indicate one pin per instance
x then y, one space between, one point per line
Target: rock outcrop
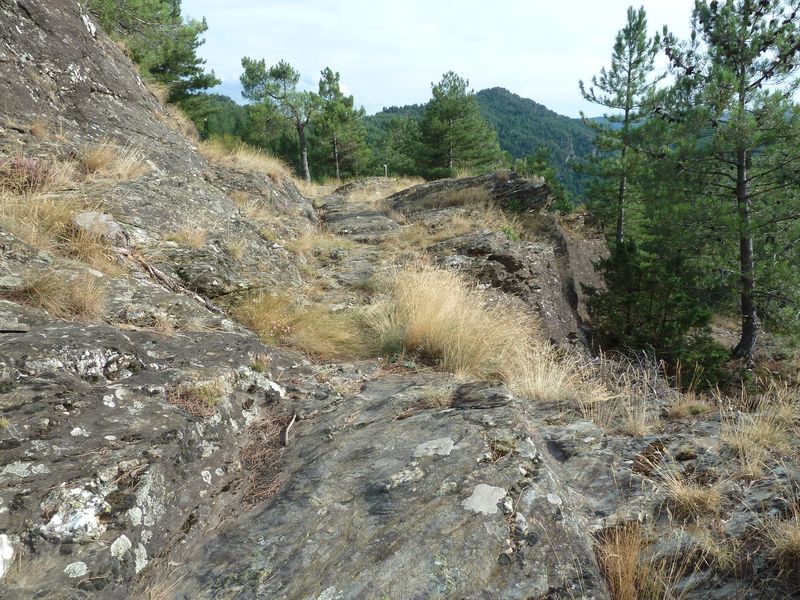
159 449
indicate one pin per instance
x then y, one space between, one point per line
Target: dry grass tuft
189 237
255 210
442 317
95 252
82 297
24 176
39 128
236 248
619 553
757 438
241 156
376 190
690 405
106 160
782 537
314 242
633 574
312 329
200 399
631 403
688 500
39 220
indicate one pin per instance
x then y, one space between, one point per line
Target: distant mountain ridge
522 126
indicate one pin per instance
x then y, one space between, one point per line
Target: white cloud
390 52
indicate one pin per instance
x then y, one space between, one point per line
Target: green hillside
522 126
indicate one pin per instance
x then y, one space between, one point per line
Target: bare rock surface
161 450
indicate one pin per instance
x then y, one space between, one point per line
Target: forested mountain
522 126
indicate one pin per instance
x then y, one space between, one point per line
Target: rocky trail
155 443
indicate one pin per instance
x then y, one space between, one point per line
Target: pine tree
340 128
733 97
277 86
160 41
623 88
454 135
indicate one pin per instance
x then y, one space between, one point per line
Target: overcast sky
388 53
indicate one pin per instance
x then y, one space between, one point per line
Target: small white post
386 170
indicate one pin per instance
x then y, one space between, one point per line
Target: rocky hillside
213 385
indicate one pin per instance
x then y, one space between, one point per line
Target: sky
389 53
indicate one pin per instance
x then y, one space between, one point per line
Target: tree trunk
301 136
747 342
623 182
336 155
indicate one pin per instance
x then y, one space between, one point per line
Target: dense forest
694 176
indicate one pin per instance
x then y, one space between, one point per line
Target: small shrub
22 175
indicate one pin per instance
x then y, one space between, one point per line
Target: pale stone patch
439 446
484 499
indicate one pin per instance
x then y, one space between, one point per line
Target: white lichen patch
439 446
135 516
141 558
23 469
79 432
405 476
75 513
120 546
6 554
484 499
76 569
206 475
109 401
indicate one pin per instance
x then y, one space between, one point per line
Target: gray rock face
148 455
451 503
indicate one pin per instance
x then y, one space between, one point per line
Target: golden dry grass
759 437
445 319
313 329
39 220
690 405
81 297
627 401
782 537
46 222
619 553
189 237
688 500
242 156
23 176
376 190
633 574
316 241
39 128
255 210
93 251
236 248
106 160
